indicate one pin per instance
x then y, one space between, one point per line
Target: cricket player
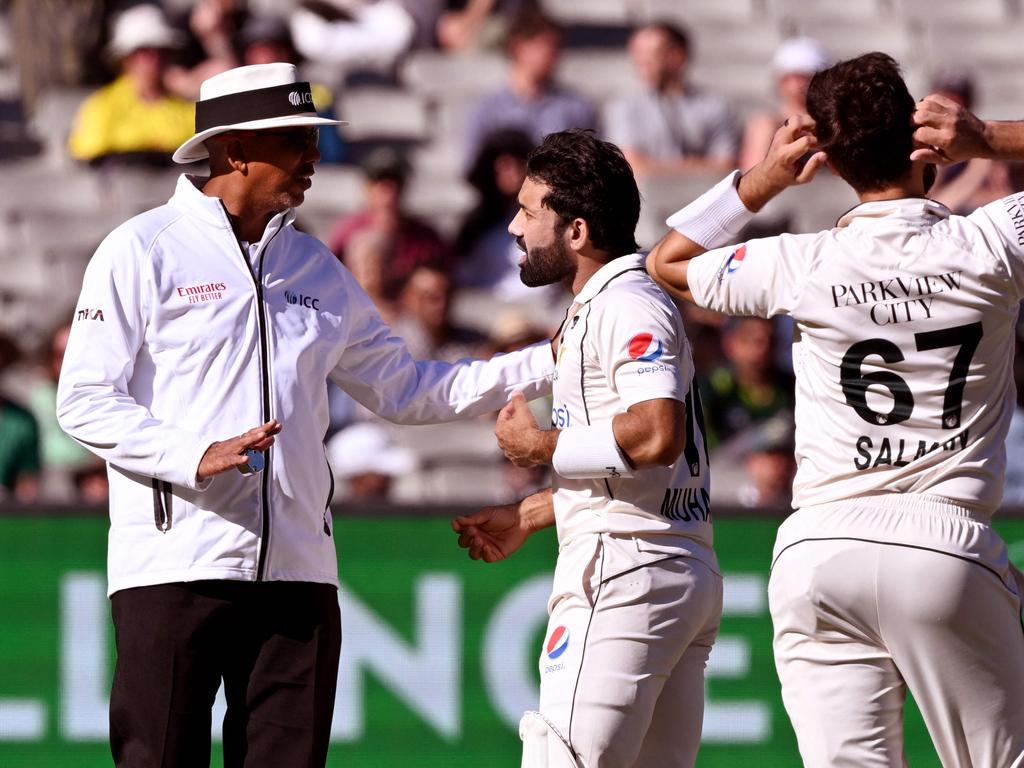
637 592
888 576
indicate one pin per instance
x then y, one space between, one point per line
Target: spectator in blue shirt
530 101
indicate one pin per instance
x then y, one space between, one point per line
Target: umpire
203 339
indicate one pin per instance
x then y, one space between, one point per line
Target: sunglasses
297 139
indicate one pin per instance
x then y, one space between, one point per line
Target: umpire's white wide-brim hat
252 98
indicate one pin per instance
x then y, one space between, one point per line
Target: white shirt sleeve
640 347
759 277
377 370
1002 225
93 402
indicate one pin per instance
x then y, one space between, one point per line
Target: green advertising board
439 654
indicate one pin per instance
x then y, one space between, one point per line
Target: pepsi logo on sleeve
733 262
646 347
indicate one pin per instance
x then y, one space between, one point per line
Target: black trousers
274 644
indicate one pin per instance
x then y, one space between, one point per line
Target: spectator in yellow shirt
134 118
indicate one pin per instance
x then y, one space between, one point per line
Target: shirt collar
909 208
210 210
612 269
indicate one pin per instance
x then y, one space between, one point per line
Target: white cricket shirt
624 345
903 346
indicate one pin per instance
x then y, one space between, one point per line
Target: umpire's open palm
228 454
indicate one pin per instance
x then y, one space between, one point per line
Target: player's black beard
544 266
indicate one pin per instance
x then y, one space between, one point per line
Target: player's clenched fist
523 442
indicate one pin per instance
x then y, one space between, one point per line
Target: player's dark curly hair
863 111
591 180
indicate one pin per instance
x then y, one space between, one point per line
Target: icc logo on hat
257 97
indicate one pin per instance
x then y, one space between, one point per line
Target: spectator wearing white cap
134 118
794 63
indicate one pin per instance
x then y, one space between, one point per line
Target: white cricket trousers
629 632
874 596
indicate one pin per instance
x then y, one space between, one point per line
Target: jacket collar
210 210
907 208
612 269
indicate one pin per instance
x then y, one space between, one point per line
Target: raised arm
715 218
945 132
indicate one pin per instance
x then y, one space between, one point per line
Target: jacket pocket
162 509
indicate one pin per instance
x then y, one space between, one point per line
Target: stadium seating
53 212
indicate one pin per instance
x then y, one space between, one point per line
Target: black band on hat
259 104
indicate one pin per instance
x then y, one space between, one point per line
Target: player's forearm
1004 139
668 263
539 447
537 511
649 434
757 187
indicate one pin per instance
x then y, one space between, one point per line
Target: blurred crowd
145 62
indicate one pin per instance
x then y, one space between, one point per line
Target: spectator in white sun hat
134 119
204 337
794 63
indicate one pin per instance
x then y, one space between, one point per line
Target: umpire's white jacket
181 338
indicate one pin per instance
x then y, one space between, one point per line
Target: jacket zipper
265 372
162 510
330 493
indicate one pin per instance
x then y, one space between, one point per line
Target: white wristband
715 218
583 453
